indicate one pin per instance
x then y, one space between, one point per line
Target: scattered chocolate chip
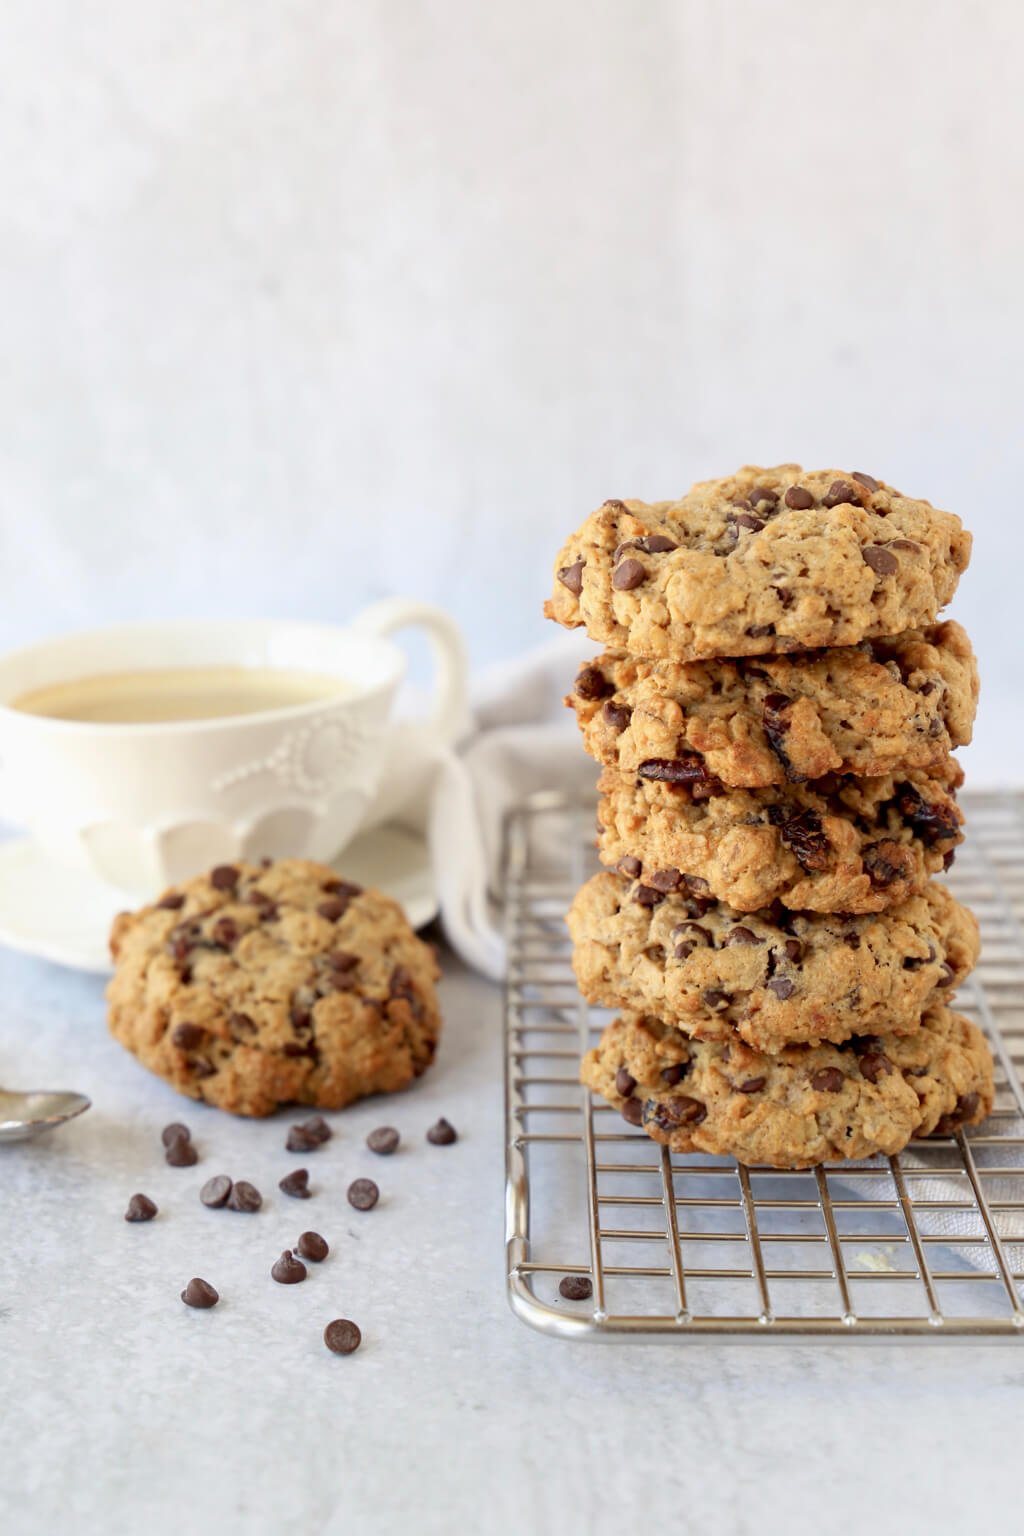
693 932
225 932
867 481
312 1246
794 950
199 1293
244 1197
224 877
910 545
629 866
384 1140
798 498
782 987
288 1270
741 935
885 862
627 575
880 560
763 493
296 1184
665 880
675 1073
965 1109
363 1194
172 901
442 1134
874 1064
241 1024
187 1036
839 491
575 1288
591 683
669 1114
647 896
215 1191
633 1112
657 544
571 576
752 1085
827 1080
140 1208
618 716
333 908
758 631
342 960
342 1337
713 998
175 1132
180 1153
300 1140
947 975
625 1083
748 521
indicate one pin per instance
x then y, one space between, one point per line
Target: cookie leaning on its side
251 987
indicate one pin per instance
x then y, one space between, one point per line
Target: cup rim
109 730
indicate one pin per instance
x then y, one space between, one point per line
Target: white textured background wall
306 302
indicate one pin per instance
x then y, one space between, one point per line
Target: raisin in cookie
773 978
876 708
764 560
806 1105
254 986
840 844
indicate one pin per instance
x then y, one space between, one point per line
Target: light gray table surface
124 1411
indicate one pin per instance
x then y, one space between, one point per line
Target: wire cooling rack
926 1244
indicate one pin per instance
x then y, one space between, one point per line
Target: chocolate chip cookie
880 707
772 978
839 844
766 560
254 986
802 1106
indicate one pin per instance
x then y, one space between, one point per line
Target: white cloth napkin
521 739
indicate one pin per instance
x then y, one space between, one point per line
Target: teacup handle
449 711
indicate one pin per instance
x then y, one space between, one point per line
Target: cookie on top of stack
774 717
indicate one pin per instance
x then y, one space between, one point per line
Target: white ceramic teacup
146 805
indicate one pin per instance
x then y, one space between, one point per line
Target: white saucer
64 915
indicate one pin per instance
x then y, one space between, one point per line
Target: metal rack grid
926 1244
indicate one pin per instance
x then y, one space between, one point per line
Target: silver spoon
23 1115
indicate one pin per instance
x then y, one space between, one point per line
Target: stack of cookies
775 718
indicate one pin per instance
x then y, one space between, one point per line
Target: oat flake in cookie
275 985
802 1106
765 560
